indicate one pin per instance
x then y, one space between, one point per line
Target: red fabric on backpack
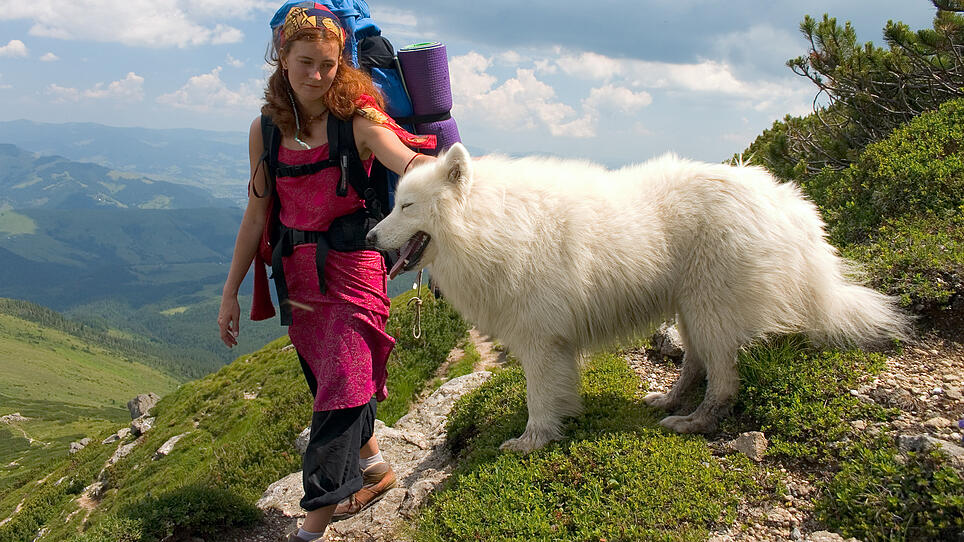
261 306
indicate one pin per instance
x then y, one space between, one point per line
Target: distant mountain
61 259
214 161
29 180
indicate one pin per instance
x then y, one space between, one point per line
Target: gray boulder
142 404
667 342
141 425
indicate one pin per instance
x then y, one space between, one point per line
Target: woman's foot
378 480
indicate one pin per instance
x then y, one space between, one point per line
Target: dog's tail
844 312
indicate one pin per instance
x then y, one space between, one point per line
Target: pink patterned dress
342 338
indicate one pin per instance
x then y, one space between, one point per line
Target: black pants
330 467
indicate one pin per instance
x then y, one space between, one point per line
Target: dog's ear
457 164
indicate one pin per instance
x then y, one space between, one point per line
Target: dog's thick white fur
557 257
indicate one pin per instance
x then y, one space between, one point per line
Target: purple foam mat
447 132
426 70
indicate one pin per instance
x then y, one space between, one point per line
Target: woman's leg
368 449
316 521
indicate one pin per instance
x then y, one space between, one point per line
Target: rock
827 536
166 448
954 393
142 404
779 517
752 444
859 425
795 534
141 425
284 495
667 341
11 418
925 443
122 434
78 446
301 443
937 423
122 452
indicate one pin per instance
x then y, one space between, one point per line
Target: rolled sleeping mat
446 132
425 69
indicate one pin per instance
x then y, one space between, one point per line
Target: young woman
337 331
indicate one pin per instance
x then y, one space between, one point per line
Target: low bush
799 396
617 476
881 495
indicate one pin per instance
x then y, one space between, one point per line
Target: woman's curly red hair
348 85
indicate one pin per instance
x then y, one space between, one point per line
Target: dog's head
425 197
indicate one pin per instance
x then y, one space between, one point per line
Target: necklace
294 108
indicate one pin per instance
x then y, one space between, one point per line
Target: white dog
556 258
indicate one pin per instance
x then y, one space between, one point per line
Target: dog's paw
689 424
527 442
661 401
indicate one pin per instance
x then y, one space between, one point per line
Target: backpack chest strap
300 170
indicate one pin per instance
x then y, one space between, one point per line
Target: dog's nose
372 237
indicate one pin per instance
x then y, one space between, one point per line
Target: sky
616 82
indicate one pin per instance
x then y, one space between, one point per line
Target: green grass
615 477
12 223
234 446
414 361
465 365
799 396
880 495
68 389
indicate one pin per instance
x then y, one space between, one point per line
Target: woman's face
311 68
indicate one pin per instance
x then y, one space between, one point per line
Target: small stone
752 444
937 391
795 534
937 423
858 425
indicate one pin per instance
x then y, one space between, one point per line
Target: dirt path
274 525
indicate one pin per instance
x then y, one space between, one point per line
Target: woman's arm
249 235
372 138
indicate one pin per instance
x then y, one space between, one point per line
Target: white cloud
392 16
14 48
144 23
521 102
49 57
704 77
233 62
208 93
62 94
130 88
615 98
4 86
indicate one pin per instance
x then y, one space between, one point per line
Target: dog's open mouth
410 254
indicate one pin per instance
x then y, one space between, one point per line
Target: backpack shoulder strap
341 145
271 141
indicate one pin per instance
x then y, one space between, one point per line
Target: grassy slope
240 424
68 388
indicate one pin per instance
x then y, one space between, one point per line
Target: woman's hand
229 316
